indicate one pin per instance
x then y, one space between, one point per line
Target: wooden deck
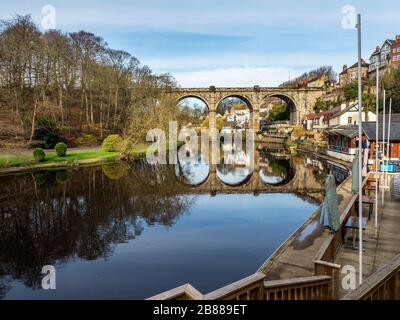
295 257
378 251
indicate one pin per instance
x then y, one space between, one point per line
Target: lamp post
376 152
360 162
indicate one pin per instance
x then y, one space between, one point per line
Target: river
129 231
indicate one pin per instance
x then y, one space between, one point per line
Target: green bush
61 149
112 143
39 155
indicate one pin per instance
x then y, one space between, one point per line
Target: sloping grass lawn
26 159
79 155
7 161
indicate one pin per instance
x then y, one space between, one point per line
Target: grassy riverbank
24 160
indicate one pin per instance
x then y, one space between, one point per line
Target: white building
381 57
348 115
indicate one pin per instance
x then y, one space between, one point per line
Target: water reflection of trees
278 171
54 217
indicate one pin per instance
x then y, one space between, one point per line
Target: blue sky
225 43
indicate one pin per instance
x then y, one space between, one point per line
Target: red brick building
395 52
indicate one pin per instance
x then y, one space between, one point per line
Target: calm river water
122 231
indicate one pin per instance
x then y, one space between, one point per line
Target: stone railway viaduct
300 101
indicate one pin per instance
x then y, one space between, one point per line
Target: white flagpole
360 153
388 141
376 152
383 146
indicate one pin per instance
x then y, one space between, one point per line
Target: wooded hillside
67 84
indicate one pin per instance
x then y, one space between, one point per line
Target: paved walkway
295 257
377 251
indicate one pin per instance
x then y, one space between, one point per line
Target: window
350 120
394 58
398 58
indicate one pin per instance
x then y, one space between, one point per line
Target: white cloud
234 77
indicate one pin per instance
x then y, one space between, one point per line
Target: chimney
398 38
344 67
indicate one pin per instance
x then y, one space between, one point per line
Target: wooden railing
255 288
325 257
185 292
307 288
250 288
384 284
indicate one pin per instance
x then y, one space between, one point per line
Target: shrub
61 149
39 155
112 143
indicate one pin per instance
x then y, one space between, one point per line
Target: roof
376 52
395 117
363 65
314 116
369 129
349 131
390 41
329 112
340 112
332 111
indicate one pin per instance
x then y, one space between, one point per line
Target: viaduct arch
300 101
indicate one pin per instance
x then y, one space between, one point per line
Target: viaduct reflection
273 171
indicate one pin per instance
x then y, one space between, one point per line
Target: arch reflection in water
236 166
192 172
276 170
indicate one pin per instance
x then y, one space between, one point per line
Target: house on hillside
384 57
345 114
350 74
395 56
319 121
239 114
348 114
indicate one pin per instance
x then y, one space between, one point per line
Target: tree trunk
33 121
61 104
116 107
108 109
101 120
